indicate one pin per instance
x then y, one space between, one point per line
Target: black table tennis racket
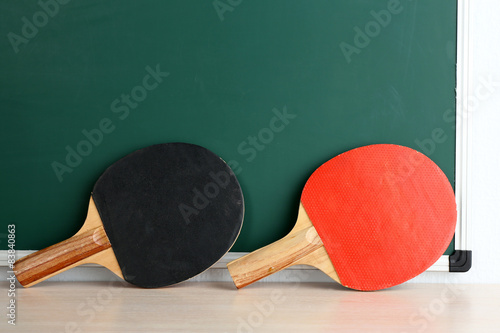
158 216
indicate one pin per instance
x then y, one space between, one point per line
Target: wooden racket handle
279 255
60 257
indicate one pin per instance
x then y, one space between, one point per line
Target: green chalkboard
275 88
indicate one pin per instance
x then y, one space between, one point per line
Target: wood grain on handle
302 246
57 258
272 258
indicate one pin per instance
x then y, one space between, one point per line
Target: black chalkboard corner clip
460 261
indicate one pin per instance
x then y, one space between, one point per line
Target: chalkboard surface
275 88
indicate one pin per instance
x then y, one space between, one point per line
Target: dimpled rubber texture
385 214
170 212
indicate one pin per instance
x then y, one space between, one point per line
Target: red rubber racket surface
385 214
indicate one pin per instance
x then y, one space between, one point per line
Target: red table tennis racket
158 216
370 218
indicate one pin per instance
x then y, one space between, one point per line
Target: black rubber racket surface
170 212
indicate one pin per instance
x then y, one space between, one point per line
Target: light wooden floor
263 307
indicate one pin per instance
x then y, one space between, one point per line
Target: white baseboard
218 272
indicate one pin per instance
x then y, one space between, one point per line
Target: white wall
485 143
